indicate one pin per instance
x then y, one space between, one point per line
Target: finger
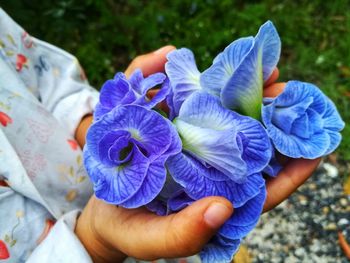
274 89
274 76
294 174
150 63
178 235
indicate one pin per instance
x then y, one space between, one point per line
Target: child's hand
111 233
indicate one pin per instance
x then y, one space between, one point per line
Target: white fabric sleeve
61 245
51 74
28 232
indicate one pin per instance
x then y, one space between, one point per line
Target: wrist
80 132
99 250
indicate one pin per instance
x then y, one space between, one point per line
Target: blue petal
151 185
243 91
143 125
107 142
306 136
135 79
219 250
257 149
296 147
332 118
274 167
216 148
183 75
244 218
296 91
196 179
160 96
113 91
284 117
157 206
152 81
216 76
208 132
179 201
335 139
203 110
270 42
116 184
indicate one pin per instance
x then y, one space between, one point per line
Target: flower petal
244 218
204 110
274 167
151 185
157 206
208 132
195 178
179 201
183 75
142 124
216 76
308 136
332 118
270 42
243 91
135 79
104 146
216 148
116 184
257 149
297 147
219 250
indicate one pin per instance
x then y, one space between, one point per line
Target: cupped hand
110 233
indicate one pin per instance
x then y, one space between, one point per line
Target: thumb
150 63
178 235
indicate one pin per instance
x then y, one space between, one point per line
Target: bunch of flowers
218 139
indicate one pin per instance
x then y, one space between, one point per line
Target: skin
110 233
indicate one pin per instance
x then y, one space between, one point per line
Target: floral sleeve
54 76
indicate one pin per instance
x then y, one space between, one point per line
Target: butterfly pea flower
302 122
236 146
236 75
125 155
199 181
122 91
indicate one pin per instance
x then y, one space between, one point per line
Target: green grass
106 35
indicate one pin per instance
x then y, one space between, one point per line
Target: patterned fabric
43 184
43 96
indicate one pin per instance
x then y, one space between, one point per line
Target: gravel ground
304 227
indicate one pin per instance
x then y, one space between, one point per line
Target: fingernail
216 214
162 49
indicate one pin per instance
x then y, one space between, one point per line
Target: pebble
343 222
304 227
343 202
331 170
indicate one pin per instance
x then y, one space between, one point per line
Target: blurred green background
106 35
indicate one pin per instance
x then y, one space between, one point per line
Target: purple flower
235 145
125 154
302 122
223 155
123 91
236 75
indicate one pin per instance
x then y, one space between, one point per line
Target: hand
109 233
